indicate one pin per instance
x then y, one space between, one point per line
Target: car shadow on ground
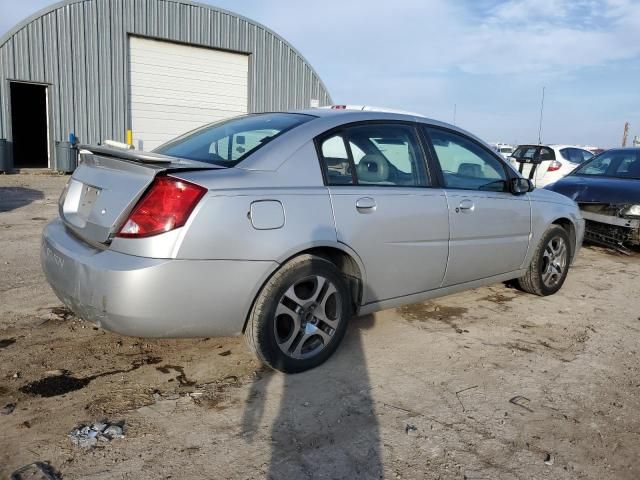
12 198
326 424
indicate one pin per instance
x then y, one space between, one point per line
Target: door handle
366 205
466 205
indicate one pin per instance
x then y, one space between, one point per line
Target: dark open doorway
29 125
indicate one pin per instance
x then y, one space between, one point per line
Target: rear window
229 142
525 152
534 152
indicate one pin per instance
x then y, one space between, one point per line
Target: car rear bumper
149 297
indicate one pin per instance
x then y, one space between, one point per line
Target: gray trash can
5 160
66 157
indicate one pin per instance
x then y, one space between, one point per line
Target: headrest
373 168
470 170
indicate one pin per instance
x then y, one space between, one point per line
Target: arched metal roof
79 49
43 11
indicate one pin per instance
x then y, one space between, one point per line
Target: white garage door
176 88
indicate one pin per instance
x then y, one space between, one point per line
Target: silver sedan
282 226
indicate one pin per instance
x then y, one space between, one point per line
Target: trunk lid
108 183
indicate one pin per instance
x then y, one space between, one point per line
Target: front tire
300 316
550 264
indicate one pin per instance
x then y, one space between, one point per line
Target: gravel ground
490 383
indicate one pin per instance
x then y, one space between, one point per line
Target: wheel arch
570 228
345 259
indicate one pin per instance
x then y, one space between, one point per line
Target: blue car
607 189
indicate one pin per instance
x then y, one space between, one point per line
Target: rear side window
586 155
229 142
576 155
336 161
375 155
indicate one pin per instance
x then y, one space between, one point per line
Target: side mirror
520 186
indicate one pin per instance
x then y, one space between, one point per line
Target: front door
489 226
385 209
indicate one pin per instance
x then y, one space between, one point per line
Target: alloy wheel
554 261
307 317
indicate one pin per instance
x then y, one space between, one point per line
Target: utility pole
625 134
455 106
541 110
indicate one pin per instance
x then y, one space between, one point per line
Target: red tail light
555 165
165 206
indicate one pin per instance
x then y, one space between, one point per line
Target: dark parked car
607 189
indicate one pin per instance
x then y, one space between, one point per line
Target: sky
486 59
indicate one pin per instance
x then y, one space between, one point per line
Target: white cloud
490 58
516 36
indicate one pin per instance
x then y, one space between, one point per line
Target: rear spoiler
132 155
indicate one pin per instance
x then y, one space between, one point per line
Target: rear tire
550 264
300 316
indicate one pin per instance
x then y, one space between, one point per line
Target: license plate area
87 200
79 202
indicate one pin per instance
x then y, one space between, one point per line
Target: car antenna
541 110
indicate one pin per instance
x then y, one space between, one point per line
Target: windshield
229 142
614 163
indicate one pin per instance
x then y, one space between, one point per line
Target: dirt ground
490 383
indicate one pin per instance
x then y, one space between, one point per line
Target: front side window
374 154
229 142
465 164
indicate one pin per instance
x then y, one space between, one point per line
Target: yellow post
129 137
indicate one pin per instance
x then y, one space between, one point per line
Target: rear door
386 208
489 226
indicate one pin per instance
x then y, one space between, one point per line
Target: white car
553 161
503 149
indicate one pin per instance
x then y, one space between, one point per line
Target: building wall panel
80 49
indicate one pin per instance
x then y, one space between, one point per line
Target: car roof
562 145
550 145
349 115
330 112
623 149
